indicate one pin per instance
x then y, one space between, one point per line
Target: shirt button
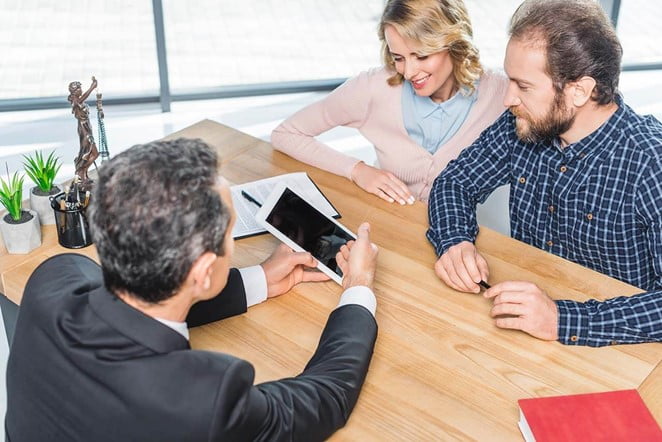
613 343
550 243
589 216
563 168
574 338
522 180
551 208
581 155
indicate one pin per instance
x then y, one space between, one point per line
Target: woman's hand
381 183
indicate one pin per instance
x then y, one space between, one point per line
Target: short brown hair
579 40
438 25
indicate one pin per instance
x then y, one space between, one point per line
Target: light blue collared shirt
432 124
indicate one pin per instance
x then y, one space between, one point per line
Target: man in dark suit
102 353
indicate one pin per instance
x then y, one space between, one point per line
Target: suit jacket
84 365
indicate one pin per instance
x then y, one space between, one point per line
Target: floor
24 132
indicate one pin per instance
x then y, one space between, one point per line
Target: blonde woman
430 100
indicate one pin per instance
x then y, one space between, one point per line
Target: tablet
301 226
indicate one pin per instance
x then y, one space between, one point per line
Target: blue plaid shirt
597 202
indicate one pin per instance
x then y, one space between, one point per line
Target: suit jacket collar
134 324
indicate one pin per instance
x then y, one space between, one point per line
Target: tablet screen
307 227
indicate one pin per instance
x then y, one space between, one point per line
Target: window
47 45
639 30
217 43
213 43
490 20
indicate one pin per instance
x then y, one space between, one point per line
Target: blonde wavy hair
438 25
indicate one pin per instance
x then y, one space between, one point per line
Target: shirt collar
135 324
425 106
179 327
587 144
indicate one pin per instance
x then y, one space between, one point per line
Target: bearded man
585 175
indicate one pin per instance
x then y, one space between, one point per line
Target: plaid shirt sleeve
648 206
625 319
466 181
622 320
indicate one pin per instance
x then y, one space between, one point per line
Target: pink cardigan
368 103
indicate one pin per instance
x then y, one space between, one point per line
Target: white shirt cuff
360 295
255 284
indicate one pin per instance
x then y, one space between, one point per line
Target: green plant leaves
41 172
11 194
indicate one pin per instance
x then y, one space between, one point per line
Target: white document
259 190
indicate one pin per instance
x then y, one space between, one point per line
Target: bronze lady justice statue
88 149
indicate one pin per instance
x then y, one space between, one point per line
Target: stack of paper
259 190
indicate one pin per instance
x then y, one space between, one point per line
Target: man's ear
199 277
582 90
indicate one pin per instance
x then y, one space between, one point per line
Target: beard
555 122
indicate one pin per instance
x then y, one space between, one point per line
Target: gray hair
154 210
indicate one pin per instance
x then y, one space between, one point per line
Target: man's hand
358 260
383 184
286 268
529 309
462 267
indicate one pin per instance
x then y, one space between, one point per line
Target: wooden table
441 369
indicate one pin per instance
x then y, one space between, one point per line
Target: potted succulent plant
42 173
20 228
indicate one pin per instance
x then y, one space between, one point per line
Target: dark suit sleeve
230 302
311 406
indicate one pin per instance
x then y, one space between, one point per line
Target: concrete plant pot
40 202
23 236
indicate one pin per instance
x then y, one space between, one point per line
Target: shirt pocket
601 220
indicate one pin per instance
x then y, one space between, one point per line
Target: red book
610 416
